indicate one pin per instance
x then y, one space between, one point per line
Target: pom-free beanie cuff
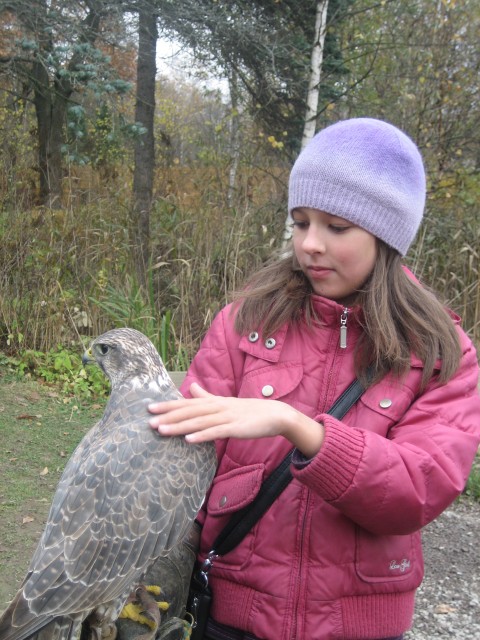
366 171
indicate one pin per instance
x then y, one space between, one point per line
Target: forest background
135 197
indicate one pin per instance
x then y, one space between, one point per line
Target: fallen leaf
27 416
44 471
444 608
63 454
27 519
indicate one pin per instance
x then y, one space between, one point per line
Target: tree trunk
50 113
51 98
145 145
313 88
315 72
234 138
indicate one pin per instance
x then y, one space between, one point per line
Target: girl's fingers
165 407
199 392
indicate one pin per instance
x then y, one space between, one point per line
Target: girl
338 554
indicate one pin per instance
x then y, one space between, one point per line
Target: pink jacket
338 555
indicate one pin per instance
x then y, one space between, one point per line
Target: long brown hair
399 317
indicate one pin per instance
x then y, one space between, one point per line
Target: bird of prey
127 496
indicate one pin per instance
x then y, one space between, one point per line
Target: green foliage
264 48
130 307
63 368
473 485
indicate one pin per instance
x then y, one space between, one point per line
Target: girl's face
336 256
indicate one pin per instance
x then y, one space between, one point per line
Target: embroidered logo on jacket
401 566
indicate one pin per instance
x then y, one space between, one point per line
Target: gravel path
448 602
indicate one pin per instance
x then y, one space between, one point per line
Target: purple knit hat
366 171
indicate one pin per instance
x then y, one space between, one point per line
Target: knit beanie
366 171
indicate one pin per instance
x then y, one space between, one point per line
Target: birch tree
313 93
315 72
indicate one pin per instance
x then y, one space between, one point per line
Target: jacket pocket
388 559
231 492
271 381
382 406
235 489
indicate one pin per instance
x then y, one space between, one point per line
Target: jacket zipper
298 583
294 628
343 328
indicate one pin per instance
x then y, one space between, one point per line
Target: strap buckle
204 570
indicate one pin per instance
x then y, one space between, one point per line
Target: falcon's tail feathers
19 623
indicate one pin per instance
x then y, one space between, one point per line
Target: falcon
127 496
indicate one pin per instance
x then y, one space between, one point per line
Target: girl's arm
399 483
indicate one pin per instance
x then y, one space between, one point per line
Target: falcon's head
124 354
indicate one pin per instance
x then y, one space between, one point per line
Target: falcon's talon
153 588
143 607
136 613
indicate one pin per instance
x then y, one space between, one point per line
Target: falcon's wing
127 496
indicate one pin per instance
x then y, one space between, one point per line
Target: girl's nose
314 241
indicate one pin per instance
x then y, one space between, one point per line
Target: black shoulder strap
243 520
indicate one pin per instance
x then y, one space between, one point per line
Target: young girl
338 554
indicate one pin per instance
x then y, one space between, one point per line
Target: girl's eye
338 228
300 224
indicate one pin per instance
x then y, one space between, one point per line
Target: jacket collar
268 348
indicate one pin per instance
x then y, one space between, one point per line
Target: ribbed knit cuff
331 472
362 614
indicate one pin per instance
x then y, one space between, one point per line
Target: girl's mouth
318 273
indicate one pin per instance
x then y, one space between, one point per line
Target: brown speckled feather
126 497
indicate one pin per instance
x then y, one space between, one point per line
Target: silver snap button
385 403
253 337
267 391
223 501
270 343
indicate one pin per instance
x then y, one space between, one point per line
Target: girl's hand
208 417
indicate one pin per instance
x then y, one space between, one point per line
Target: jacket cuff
332 471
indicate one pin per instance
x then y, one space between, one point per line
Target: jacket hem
365 617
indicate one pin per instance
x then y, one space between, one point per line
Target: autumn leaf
444 608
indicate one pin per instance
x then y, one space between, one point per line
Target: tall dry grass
446 253
68 274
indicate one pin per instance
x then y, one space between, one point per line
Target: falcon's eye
104 349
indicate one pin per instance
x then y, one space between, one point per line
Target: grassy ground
38 431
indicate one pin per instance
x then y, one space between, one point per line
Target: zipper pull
343 328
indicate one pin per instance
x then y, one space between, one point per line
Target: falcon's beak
87 357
